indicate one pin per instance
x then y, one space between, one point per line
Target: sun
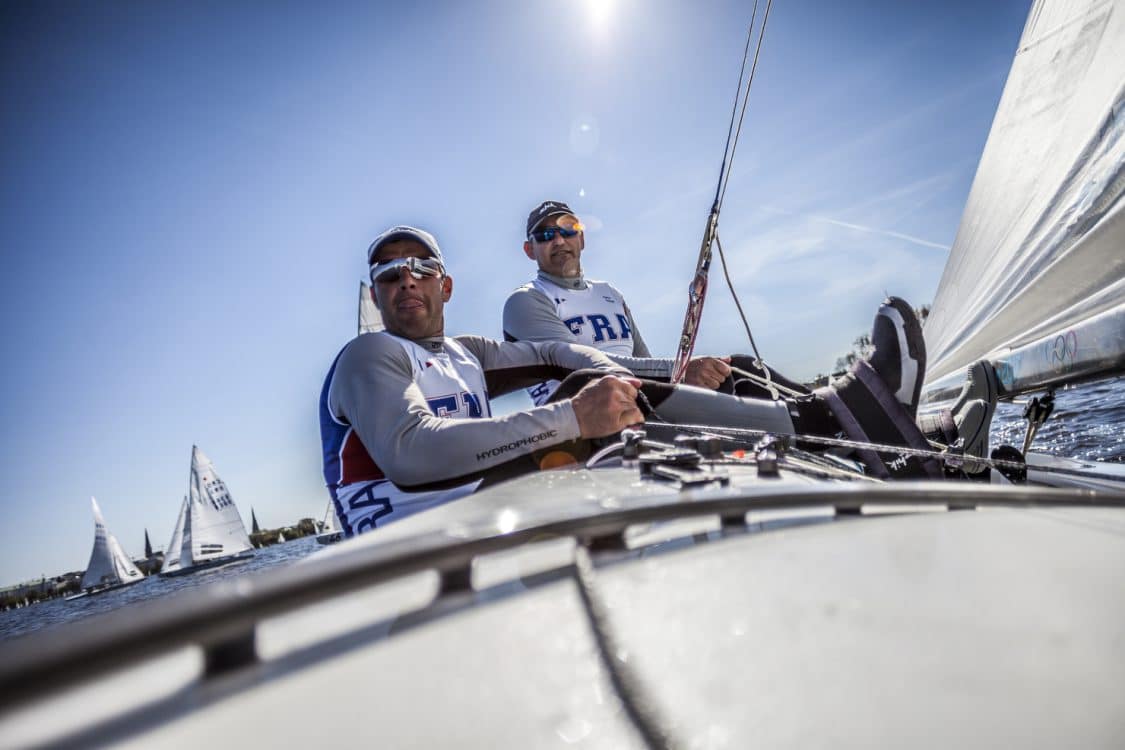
600 13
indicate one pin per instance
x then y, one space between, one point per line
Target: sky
189 189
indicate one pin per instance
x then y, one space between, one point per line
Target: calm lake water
1088 423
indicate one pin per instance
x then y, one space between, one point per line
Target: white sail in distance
1035 281
369 318
109 565
331 525
216 527
178 553
330 531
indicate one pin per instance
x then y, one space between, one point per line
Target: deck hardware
633 440
226 655
733 520
1008 453
689 477
766 454
455 580
1036 413
614 542
709 447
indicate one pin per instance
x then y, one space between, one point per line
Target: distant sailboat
209 531
330 530
109 566
254 527
148 546
370 320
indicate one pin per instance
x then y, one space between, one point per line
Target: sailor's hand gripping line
697 291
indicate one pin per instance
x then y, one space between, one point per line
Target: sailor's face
411 308
561 256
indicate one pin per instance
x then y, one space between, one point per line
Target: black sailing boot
970 417
875 402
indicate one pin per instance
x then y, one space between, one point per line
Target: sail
216 527
178 553
369 318
1036 277
148 546
109 565
331 525
254 527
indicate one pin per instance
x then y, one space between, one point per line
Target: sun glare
599 12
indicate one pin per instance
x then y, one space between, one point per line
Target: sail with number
209 530
1035 281
109 566
369 318
216 527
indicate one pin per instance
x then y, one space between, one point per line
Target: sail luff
1036 272
174 554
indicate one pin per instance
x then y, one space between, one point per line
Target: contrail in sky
861 228
885 232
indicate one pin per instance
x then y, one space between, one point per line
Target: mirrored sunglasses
419 268
568 227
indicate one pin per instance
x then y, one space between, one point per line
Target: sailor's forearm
432 449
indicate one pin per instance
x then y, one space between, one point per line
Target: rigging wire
730 285
697 290
745 100
734 107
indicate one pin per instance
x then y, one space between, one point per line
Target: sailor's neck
433 344
566 282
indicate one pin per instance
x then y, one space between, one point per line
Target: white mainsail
330 532
109 565
216 527
178 554
369 318
331 525
1036 277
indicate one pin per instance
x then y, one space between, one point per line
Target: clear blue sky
188 190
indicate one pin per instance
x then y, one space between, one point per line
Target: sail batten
1037 267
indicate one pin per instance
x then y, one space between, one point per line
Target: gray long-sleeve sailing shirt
376 393
579 311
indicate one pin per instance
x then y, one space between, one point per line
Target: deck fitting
230 654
